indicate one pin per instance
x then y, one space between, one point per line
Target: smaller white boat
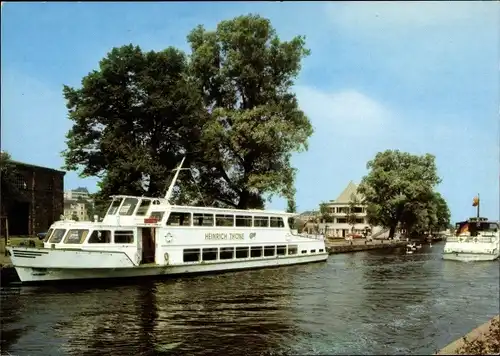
477 239
409 252
418 246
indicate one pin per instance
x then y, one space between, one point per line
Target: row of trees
227 106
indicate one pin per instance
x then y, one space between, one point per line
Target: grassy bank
484 340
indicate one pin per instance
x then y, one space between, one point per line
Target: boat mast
172 184
478 204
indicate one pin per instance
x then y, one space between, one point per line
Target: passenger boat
140 237
476 239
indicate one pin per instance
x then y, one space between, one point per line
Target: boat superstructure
141 236
476 239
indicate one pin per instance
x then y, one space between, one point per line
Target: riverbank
342 246
477 342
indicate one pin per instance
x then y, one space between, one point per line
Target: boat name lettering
224 236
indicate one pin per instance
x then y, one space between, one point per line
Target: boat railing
482 238
307 235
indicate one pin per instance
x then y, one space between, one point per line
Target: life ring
475 240
166 257
168 237
461 238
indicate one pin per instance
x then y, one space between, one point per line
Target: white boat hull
37 275
469 257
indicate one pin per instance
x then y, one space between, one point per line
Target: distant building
40 201
338 210
76 203
80 193
309 215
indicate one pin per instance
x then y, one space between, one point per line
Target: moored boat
476 239
142 236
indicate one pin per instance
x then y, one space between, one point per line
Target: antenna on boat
172 184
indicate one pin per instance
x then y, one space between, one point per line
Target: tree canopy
10 192
399 190
227 106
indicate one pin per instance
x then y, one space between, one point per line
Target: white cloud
355 112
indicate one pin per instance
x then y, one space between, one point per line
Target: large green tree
228 107
399 189
245 73
133 118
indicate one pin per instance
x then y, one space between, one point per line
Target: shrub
488 344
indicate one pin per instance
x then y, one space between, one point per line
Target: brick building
40 202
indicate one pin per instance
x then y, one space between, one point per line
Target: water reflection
377 302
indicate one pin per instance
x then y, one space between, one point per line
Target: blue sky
419 77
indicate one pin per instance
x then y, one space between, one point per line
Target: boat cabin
475 226
135 225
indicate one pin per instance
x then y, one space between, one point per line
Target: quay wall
361 245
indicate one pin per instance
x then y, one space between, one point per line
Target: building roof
345 196
80 190
309 212
38 167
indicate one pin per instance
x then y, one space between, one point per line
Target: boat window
76 236
124 236
261 221
292 249
242 220
57 236
226 253
143 208
291 222
224 220
281 250
242 252
100 237
277 222
203 220
303 251
47 237
128 206
313 251
209 254
113 207
269 251
256 251
158 215
321 250
191 255
179 219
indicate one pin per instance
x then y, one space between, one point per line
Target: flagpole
478 204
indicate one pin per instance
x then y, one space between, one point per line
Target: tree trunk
392 231
244 198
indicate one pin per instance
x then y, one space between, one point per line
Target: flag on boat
475 201
464 228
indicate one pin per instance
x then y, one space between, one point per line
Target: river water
376 302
